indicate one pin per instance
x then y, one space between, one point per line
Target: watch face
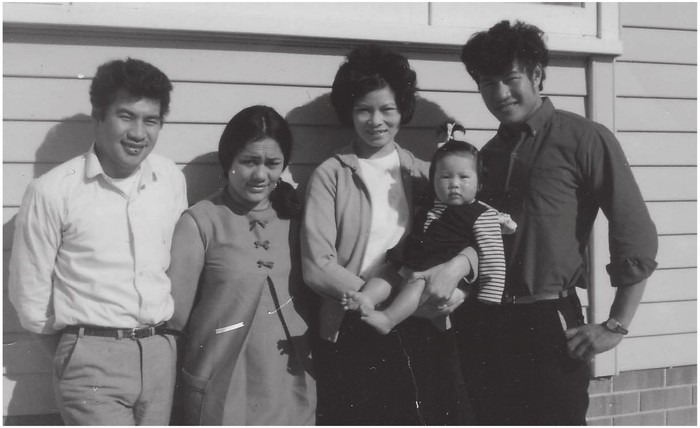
615 326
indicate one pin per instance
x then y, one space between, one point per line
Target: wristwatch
615 326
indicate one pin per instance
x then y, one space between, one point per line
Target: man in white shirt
90 252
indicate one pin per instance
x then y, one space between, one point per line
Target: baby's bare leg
374 292
402 307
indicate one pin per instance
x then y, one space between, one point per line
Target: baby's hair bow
453 131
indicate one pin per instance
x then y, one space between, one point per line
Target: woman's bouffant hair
254 124
492 52
368 68
138 78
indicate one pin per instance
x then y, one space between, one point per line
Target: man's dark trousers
516 364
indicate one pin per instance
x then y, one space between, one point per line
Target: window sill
179 21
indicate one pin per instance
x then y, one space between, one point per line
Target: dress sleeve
632 235
321 269
186 264
37 238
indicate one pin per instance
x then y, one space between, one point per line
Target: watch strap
615 326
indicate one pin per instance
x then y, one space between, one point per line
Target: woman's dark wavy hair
138 78
254 124
454 147
368 68
492 52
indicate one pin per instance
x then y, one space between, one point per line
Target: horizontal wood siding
672 285
47 121
656 80
656 121
669 15
657 45
660 148
637 353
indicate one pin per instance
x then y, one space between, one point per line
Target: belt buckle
142 332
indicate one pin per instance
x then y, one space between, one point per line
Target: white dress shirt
85 252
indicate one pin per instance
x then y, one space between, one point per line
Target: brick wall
645 397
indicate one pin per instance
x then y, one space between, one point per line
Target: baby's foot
379 321
356 301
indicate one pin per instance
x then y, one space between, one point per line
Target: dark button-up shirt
552 175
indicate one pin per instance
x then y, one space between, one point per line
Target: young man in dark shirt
527 360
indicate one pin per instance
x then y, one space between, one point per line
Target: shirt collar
93 168
533 124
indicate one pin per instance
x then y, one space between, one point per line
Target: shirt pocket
551 191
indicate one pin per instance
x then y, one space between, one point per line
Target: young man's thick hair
368 68
138 78
492 52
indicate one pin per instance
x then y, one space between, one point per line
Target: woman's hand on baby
442 280
430 311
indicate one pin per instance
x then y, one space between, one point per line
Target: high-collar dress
246 359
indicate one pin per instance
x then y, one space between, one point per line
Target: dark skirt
409 377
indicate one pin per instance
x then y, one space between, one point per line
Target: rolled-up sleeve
633 239
36 241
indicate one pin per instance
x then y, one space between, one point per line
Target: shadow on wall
204 177
71 137
317 135
27 358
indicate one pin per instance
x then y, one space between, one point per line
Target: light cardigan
336 227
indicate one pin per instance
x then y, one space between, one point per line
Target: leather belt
121 333
523 300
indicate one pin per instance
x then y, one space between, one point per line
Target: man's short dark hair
369 68
492 52
138 78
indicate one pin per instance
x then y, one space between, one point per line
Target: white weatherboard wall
223 57
656 122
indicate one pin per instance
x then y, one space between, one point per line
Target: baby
455 221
